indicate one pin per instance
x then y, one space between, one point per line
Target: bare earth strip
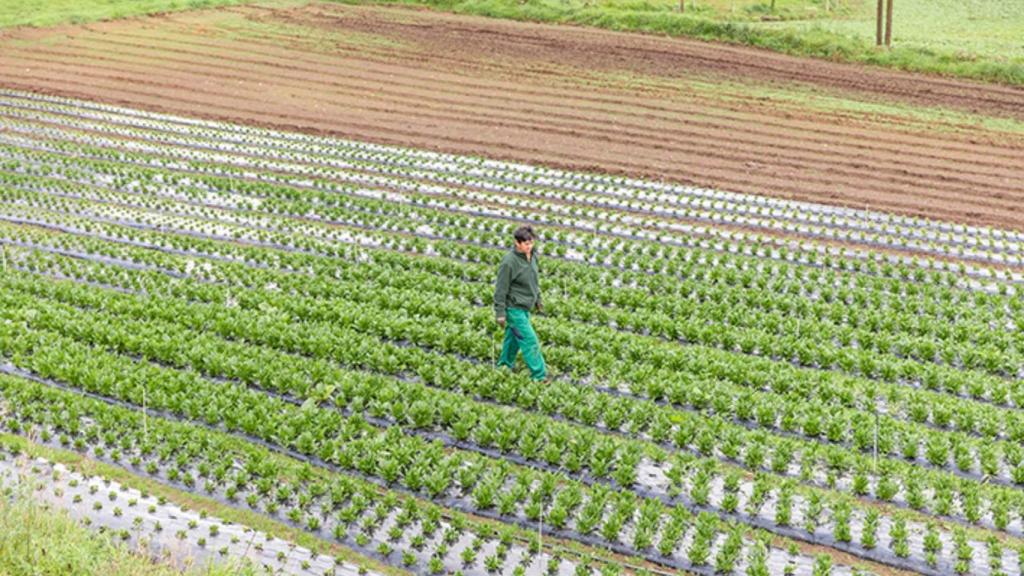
575 98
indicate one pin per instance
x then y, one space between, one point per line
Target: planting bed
301 326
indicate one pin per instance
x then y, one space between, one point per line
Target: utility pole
879 27
883 23
888 23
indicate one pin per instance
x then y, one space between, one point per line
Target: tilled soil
575 98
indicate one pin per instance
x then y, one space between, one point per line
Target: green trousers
519 335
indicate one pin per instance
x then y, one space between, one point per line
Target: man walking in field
516 293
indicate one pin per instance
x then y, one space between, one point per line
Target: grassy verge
809 37
186 500
35 541
53 12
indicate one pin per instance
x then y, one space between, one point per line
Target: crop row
473 342
802 349
604 223
202 190
456 479
804 218
399 529
828 321
393 400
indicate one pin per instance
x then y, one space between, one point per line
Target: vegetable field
301 326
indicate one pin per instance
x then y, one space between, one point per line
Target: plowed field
725 117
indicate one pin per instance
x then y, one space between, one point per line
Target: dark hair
524 233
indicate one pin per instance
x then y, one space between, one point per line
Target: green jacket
517 285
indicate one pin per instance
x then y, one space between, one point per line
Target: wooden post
888 23
682 6
880 24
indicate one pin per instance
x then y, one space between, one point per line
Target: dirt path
570 97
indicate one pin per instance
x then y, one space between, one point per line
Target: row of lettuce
312 155
45 335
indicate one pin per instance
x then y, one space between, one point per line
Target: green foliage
53 12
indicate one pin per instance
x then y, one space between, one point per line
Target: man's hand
501 321
540 307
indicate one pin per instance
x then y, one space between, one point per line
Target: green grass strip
54 12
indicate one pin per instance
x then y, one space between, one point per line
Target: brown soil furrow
738 162
733 102
652 110
355 105
668 56
755 151
391 61
670 88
